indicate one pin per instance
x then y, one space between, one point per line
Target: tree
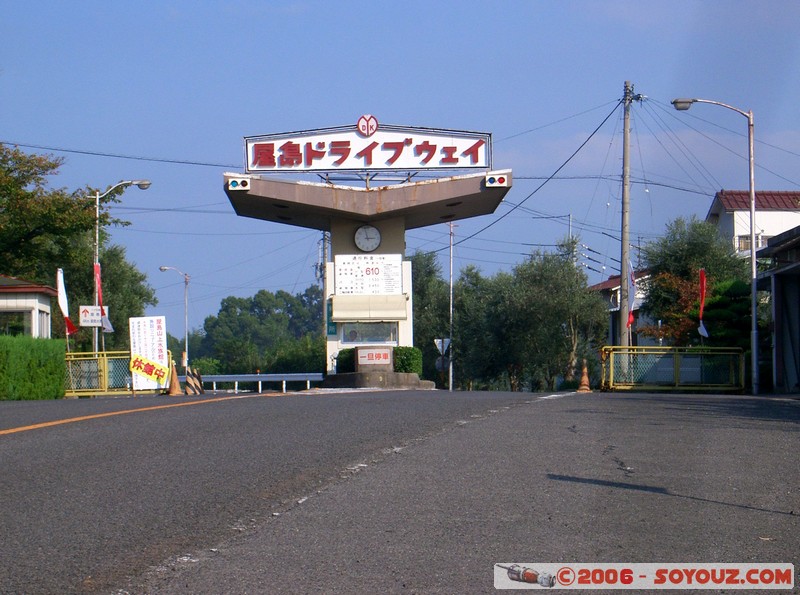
561 320
44 229
674 262
477 361
36 223
529 327
431 309
251 333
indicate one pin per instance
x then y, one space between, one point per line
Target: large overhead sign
368 146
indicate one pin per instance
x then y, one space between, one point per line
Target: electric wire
560 167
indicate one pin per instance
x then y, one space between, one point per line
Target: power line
119 155
560 167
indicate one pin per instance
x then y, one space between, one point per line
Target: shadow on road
657 490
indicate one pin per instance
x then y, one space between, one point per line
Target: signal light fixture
239 184
498 179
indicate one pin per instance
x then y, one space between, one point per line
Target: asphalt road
398 492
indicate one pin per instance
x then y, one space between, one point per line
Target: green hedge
31 368
346 361
406 359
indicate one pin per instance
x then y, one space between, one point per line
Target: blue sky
184 81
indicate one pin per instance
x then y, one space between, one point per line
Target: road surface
399 492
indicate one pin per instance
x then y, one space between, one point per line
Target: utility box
375 359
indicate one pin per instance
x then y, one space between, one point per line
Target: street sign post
90 316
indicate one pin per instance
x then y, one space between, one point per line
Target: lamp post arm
730 107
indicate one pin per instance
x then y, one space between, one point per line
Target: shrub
408 359
346 361
32 368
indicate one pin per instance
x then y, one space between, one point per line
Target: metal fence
672 368
93 373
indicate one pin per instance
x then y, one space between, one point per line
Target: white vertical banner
149 359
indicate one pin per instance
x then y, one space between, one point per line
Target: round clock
367 238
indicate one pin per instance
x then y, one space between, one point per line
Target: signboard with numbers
368 274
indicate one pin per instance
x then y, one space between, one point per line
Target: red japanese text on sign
387 148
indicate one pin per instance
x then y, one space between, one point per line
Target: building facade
776 212
25 308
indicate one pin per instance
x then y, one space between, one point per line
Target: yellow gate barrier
90 374
672 368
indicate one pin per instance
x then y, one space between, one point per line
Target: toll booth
368 284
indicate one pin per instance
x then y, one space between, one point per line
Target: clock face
367 238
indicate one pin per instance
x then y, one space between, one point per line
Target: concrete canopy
314 205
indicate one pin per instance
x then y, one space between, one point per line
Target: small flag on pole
62 302
105 322
631 292
702 329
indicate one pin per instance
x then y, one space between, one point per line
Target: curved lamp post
685 104
185 312
142 184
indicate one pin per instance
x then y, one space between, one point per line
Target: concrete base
377 380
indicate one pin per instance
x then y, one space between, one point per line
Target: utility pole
323 276
450 358
624 296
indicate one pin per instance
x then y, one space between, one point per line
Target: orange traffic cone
174 386
584 387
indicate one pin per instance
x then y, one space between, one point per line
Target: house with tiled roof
776 212
610 290
25 307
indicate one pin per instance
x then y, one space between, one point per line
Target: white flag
62 302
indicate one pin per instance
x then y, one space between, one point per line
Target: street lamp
185 312
144 185
685 104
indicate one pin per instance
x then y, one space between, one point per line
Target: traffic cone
174 386
584 387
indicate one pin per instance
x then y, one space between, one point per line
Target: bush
346 361
32 368
206 365
408 359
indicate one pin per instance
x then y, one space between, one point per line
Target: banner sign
149 357
149 369
368 146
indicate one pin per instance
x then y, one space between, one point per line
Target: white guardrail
307 377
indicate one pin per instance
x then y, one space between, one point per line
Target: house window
743 242
15 323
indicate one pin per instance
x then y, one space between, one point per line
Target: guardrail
307 377
90 374
672 368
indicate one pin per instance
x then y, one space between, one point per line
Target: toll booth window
369 332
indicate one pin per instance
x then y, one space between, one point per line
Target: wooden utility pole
624 274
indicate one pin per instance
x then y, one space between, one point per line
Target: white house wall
768 223
36 305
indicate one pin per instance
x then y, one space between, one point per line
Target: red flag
631 292
702 329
